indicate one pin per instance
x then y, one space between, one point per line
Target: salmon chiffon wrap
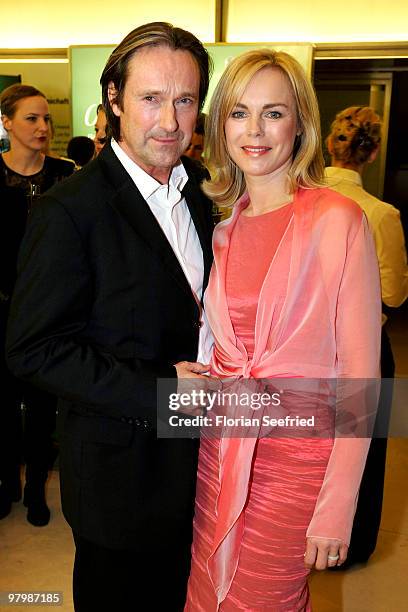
326 325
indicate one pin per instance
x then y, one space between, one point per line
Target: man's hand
191 369
191 381
322 553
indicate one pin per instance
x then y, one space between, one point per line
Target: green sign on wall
87 64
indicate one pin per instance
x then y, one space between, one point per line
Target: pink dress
258 499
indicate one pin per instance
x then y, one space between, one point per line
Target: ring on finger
333 557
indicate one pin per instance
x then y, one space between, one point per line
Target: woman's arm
358 332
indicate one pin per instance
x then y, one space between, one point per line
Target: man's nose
168 119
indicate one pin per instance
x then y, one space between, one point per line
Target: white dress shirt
171 211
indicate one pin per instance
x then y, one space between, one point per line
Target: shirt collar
343 174
145 183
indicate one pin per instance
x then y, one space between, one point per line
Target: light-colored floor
382 584
37 558
40 559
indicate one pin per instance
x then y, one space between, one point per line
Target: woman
25 173
353 143
293 293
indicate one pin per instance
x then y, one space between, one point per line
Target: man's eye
150 98
185 101
32 119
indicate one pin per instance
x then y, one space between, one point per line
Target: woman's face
100 132
262 127
30 124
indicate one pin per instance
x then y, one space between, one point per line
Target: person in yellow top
353 143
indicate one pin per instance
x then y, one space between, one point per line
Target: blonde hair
355 134
227 182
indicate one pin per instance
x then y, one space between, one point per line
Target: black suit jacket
100 310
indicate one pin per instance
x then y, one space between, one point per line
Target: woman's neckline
269 212
26 176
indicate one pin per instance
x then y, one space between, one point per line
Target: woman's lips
255 151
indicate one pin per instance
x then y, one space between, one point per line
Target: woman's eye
238 114
274 114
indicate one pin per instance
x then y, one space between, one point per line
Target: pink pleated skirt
286 478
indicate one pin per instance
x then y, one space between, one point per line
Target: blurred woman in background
25 173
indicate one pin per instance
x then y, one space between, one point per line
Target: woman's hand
322 553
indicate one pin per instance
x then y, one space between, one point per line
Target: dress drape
257 499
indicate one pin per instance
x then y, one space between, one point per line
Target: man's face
100 131
196 146
160 107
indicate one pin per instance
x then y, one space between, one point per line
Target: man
108 300
196 146
100 129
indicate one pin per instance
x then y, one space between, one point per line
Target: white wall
59 23
317 21
55 24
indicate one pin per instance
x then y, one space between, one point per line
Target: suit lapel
198 211
129 202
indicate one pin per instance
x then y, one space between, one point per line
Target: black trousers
39 450
368 513
35 445
147 578
11 433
